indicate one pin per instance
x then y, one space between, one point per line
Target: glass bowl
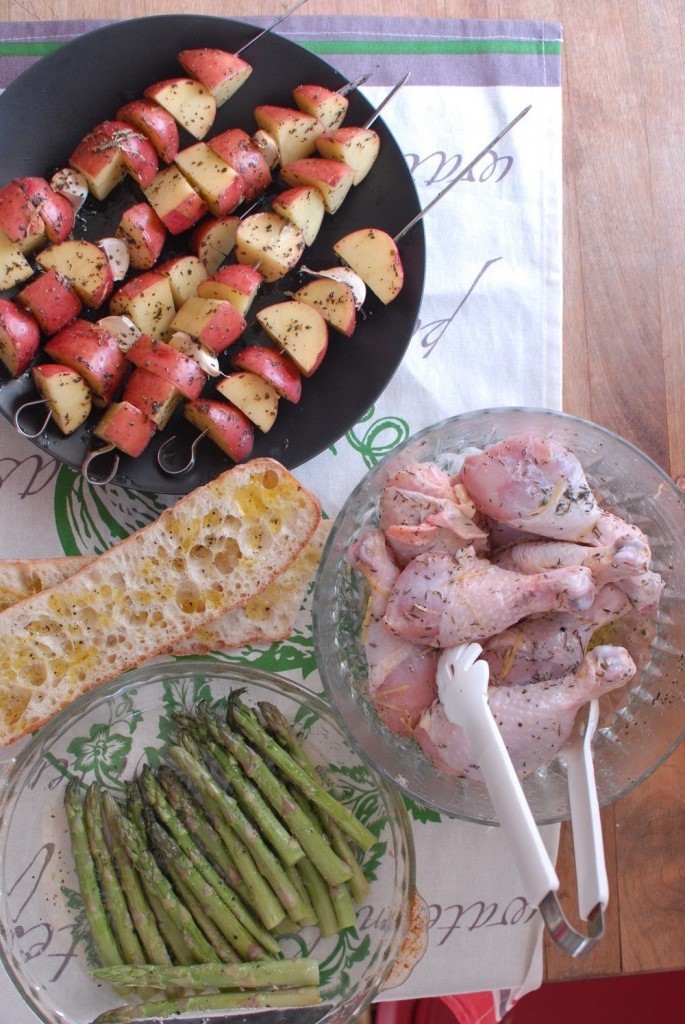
106 736
644 728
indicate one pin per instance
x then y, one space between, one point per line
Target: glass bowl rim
14 772
365 482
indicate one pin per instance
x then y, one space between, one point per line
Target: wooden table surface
624 341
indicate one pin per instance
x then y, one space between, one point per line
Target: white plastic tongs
462 687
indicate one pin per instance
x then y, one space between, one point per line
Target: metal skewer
270 28
95 454
395 88
43 426
356 83
165 448
462 174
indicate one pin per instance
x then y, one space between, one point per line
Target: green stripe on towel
434 46
371 46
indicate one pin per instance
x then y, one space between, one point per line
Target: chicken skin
443 600
401 674
550 646
535 721
624 556
421 508
535 484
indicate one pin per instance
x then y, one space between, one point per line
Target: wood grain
624 343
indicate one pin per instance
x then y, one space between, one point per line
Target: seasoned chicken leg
550 646
401 675
624 556
535 720
443 600
535 484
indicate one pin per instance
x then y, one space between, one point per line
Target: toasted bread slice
266 618
216 549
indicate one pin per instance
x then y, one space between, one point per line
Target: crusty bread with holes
214 550
264 618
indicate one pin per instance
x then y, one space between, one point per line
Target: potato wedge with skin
185 274
66 394
332 178
20 222
159 358
356 147
374 255
271 241
330 107
84 265
144 234
299 329
213 240
234 283
19 337
93 353
14 267
226 426
213 323
273 366
147 300
126 427
294 132
189 102
111 149
54 209
334 300
156 123
51 300
239 151
215 181
221 72
157 397
174 200
304 207
255 397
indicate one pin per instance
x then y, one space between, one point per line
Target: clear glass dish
106 736
644 728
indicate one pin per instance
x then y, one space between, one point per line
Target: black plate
45 113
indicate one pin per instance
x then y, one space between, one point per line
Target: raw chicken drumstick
550 646
625 556
535 721
401 675
445 599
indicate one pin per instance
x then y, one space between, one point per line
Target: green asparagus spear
223 949
110 887
103 939
310 838
194 819
247 722
319 894
276 998
177 942
339 895
242 939
262 898
189 761
251 800
209 839
282 730
159 883
142 914
178 864
263 974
